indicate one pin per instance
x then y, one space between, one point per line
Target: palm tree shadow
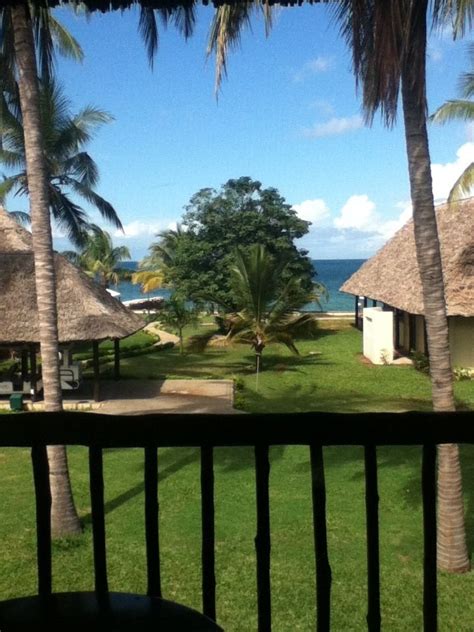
138 489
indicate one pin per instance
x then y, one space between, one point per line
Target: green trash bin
16 401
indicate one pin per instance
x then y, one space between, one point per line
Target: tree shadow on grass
174 466
226 460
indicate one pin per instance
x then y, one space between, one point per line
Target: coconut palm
388 43
463 110
177 314
99 257
267 310
70 169
149 280
24 30
19 25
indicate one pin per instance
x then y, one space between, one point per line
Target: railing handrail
169 430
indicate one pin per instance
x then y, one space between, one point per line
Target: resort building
86 313
391 278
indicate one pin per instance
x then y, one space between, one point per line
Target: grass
328 375
292 543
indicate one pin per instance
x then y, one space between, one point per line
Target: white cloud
335 126
445 175
313 211
313 67
358 212
139 228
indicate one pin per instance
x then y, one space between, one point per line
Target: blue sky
287 115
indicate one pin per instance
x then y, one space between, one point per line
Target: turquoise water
331 272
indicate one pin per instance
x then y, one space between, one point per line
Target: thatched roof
392 275
85 310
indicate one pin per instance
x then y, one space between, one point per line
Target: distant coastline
331 272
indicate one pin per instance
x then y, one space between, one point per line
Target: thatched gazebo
392 278
86 311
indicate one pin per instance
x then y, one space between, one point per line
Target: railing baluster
208 533
372 518
323 569
428 486
39 457
262 540
96 473
152 522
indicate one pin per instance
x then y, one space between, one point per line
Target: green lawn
292 544
329 374
333 379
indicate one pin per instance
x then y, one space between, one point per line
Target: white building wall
378 335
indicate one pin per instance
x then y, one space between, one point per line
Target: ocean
331 272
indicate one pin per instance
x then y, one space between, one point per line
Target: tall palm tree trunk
62 511
452 550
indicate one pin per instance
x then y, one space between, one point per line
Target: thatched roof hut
391 276
86 312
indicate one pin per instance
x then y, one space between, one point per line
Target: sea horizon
331 272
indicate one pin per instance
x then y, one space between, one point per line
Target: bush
421 362
461 373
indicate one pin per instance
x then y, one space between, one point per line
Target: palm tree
70 169
389 51
18 53
177 314
99 257
267 311
388 43
463 110
149 280
19 24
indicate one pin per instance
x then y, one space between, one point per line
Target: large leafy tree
462 110
241 213
388 42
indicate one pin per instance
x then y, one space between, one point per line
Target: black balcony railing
316 430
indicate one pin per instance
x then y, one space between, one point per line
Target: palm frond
82 167
7 185
69 216
149 280
105 208
463 185
458 13
11 159
66 44
226 30
23 218
454 110
184 19
148 30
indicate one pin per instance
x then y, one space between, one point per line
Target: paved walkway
136 397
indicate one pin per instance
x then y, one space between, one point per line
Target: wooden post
356 310
33 373
24 364
95 356
116 359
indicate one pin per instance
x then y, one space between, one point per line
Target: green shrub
463 373
421 361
